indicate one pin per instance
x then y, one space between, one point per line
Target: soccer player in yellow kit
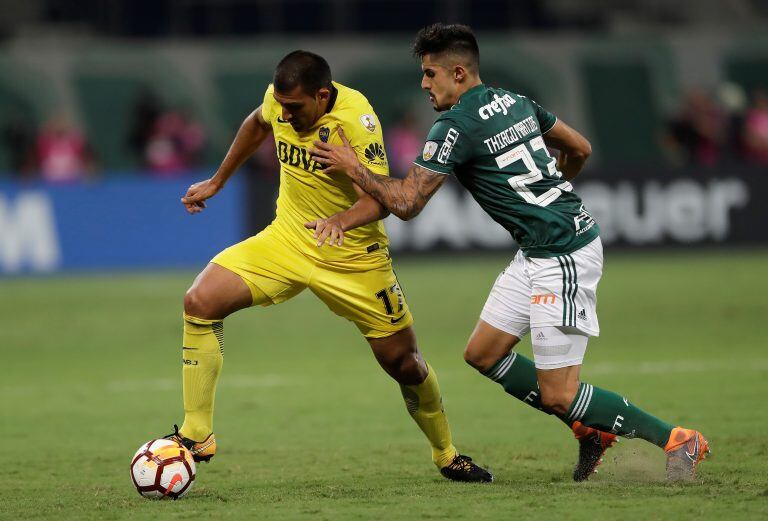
353 276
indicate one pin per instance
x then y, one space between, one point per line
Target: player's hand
194 200
331 228
335 158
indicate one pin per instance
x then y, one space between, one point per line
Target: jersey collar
476 88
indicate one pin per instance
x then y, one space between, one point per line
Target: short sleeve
546 119
268 105
364 133
447 147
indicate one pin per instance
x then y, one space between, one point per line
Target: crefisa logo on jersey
430 147
368 121
499 105
324 134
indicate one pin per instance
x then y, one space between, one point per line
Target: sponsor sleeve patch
375 155
445 150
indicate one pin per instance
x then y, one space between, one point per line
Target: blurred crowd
404 142
713 128
56 152
167 142
163 141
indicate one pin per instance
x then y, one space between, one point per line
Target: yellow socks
203 355
425 406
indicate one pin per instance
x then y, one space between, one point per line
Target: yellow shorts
364 291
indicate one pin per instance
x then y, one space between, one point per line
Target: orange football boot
685 449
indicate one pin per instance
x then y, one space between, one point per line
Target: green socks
592 406
517 375
609 412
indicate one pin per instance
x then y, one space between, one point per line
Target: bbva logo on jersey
296 156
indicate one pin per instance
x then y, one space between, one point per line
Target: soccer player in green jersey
496 144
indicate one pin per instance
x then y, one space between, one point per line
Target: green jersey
491 140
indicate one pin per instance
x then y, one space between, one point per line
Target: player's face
440 82
300 109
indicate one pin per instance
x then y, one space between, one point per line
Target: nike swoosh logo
281 120
396 320
175 479
695 451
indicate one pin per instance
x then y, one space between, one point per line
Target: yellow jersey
306 193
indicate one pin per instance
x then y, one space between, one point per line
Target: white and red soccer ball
162 469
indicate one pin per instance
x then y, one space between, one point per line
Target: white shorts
557 291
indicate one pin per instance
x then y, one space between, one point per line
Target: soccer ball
162 469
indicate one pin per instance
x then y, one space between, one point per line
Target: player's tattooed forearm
389 192
403 197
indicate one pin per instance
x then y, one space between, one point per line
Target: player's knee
409 366
477 358
400 358
488 345
196 305
407 369
484 355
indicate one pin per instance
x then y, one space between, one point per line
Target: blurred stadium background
109 109
101 98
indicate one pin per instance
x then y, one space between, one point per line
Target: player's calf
556 401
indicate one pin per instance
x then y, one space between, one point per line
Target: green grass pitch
310 428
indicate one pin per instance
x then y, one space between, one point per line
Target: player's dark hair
448 38
302 68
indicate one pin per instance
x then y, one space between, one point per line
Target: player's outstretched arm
402 197
574 149
365 210
250 136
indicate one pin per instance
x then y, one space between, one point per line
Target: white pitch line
171 384
147 384
678 366
272 380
